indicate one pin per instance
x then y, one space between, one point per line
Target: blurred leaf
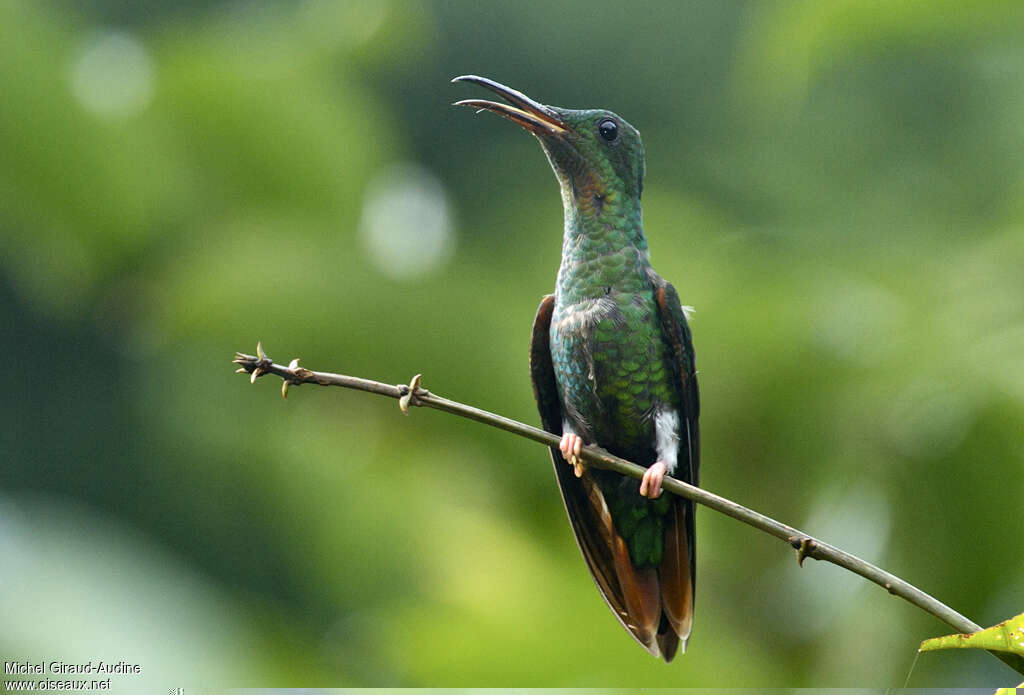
1007 636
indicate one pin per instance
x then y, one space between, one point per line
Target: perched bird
612 365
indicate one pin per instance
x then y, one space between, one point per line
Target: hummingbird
612 365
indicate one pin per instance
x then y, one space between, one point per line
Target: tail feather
641 595
668 641
676 574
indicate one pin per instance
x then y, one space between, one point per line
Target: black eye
609 129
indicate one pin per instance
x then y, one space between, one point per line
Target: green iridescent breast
611 367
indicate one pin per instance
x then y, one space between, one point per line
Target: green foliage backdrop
838 188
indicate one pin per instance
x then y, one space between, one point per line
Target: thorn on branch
255 365
804 548
409 394
285 383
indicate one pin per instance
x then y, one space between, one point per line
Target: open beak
521 109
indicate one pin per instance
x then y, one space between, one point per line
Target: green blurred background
837 187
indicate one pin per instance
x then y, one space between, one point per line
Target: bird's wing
678 566
602 548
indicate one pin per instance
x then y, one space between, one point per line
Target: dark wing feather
678 568
588 514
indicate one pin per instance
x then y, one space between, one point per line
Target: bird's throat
603 248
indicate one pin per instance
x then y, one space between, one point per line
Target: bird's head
597 157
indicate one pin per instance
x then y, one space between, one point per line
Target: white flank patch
666 437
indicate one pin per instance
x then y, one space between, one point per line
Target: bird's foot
650 486
570 446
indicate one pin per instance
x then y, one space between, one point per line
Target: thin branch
804 544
